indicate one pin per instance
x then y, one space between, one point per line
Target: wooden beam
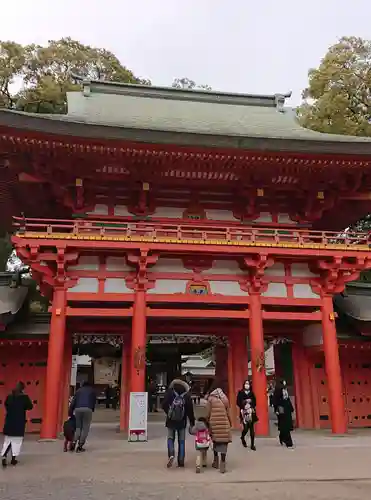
97 313
99 297
292 316
196 313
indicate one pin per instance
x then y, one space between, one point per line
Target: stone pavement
320 466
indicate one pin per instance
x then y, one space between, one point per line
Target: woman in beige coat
219 420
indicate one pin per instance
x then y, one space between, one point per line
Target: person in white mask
284 410
246 402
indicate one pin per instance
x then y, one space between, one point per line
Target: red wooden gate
24 362
356 373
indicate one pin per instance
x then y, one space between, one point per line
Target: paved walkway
320 466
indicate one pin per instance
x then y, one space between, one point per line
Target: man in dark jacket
178 407
83 406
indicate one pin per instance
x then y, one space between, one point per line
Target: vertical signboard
138 410
74 370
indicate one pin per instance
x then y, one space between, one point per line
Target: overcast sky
263 46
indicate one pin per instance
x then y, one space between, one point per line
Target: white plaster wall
225 267
301 270
304 291
169 286
285 219
264 217
116 285
169 212
86 263
99 210
231 288
224 215
85 285
121 211
117 264
278 269
170 266
312 335
276 290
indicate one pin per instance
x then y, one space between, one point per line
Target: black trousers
285 438
249 427
284 427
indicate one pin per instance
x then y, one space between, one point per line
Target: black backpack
177 408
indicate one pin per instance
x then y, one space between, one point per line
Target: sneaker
181 465
198 469
170 462
4 463
253 447
80 449
72 446
14 461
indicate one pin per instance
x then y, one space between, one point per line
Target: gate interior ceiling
356 372
26 363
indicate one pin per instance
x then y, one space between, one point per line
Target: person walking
83 406
16 406
284 410
178 407
246 402
220 423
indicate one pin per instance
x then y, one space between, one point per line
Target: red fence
188 233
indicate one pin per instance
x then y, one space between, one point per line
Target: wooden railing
192 233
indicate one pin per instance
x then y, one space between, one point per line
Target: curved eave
59 126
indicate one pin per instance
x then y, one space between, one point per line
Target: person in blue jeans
178 408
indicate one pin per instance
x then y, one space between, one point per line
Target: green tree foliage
187 84
45 73
338 97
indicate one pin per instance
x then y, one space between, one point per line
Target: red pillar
243 360
298 384
54 370
138 344
333 371
65 381
259 378
221 362
231 381
125 388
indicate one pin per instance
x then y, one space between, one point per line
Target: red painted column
138 344
54 370
66 380
231 381
333 371
298 384
221 362
243 360
259 377
125 388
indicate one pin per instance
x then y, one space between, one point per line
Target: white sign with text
138 409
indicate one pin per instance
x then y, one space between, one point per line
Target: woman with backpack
178 407
220 424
